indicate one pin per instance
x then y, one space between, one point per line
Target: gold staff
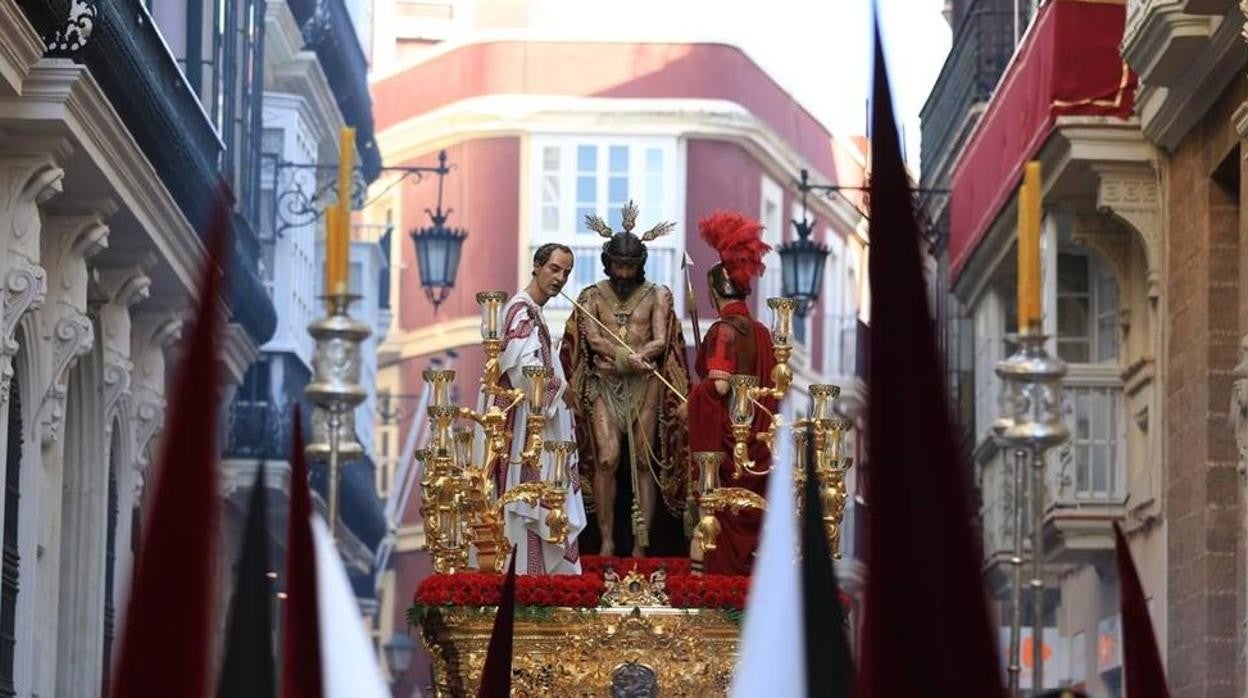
624 344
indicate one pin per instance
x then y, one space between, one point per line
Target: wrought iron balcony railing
982 45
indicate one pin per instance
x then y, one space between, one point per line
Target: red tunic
735 344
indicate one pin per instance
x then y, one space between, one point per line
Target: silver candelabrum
335 391
1030 424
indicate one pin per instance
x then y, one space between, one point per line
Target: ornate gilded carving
634 589
580 652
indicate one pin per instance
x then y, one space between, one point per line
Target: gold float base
588 652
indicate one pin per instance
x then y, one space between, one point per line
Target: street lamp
399 650
438 248
801 261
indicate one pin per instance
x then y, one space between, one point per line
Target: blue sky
819 50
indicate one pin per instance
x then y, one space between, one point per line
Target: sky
818 50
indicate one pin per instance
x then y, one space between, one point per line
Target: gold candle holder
442 416
822 398
462 447
555 495
741 416
708 464
491 303
782 310
535 393
439 380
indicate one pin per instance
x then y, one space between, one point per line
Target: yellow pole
333 249
1029 250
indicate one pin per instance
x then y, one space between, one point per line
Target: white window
771 215
1096 438
580 176
840 321
1087 309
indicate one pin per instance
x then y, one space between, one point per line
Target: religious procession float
610 423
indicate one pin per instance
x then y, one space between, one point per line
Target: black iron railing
982 45
258 429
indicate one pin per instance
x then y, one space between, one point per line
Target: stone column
104 440
65 333
26 182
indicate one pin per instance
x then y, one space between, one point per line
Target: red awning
1069 64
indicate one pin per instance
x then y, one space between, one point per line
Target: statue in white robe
526 342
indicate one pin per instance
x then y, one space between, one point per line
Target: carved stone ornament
1239 405
152 335
24 288
72 338
122 288
580 652
1132 197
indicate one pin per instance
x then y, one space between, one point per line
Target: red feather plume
738 240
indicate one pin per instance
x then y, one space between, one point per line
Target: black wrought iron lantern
801 264
438 248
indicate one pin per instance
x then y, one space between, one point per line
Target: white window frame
771 282
1099 306
668 190
837 318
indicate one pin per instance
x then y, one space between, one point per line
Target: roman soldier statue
613 361
736 344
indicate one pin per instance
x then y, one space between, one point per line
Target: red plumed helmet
738 240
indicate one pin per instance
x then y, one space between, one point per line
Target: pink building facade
542 133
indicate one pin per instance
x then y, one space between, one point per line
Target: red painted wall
484 191
624 70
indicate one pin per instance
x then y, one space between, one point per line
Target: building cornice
1169 112
20 49
61 91
517 115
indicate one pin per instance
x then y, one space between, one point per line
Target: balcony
840 350
982 45
258 430
1087 481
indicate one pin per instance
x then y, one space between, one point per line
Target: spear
686 264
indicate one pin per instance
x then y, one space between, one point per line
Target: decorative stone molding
67 242
25 183
121 288
1131 195
152 334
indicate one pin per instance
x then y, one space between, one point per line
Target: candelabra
746 391
462 502
1030 423
335 389
828 433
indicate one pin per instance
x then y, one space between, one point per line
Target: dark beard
624 287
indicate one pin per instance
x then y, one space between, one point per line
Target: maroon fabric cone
496 674
927 631
1141 661
166 638
301 641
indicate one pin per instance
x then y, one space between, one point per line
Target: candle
334 252
1029 250
338 239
